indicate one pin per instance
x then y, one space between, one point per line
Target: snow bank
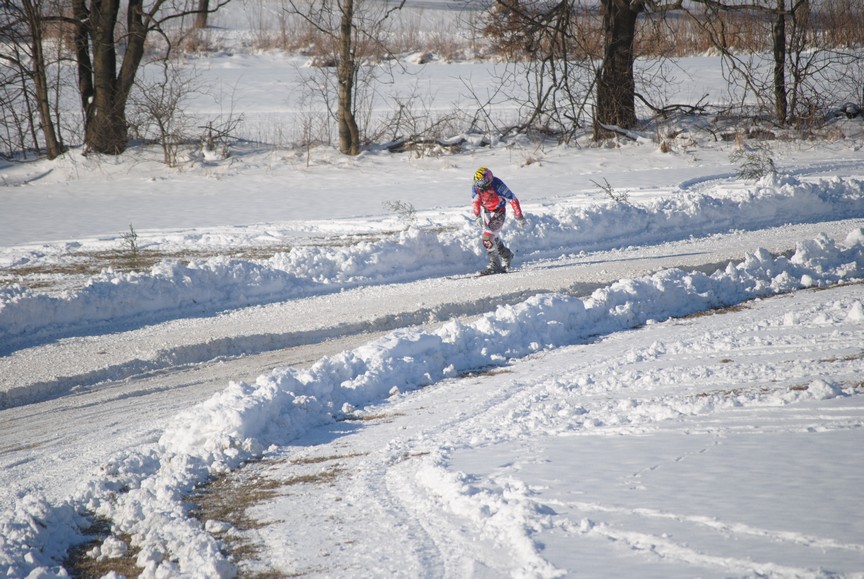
35 535
775 200
171 289
241 422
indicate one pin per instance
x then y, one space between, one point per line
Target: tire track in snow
730 529
601 414
387 480
667 549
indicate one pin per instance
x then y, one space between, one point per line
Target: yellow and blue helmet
482 178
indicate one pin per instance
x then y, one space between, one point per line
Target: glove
520 221
478 219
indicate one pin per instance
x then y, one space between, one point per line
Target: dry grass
229 499
381 417
78 266
320 459
677 33
726 310
80 565
90 263
226 499
495 371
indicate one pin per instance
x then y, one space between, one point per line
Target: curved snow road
128 386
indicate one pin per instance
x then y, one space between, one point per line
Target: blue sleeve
503 190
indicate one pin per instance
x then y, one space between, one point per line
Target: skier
489 197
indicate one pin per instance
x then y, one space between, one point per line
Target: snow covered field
667 386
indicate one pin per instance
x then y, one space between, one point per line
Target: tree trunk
134 53
778 34
104 91
797 71
349 134
81 14
53 146
105 128
616 87
201 16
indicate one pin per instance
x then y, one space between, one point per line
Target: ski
485 272
481 273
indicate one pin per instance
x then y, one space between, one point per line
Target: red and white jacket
494 197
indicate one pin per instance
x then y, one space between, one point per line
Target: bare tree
778 36
796 58
562 52
786 74
746 67
349 135
101 44
22 34
104 90
616 87
551 74
357 40
203 12
158 103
